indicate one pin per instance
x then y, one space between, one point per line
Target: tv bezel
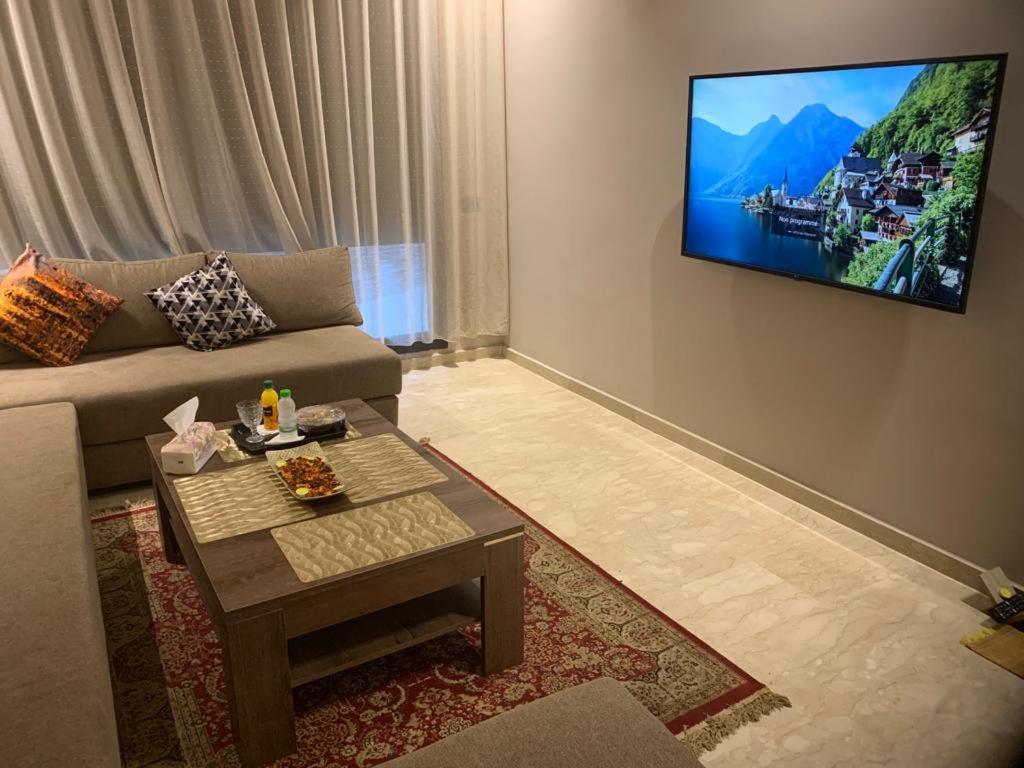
961 308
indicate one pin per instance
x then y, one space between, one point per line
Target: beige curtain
135 129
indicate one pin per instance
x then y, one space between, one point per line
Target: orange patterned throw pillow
49 313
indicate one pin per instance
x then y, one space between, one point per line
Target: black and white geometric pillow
210 307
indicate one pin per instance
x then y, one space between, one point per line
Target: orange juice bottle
269 402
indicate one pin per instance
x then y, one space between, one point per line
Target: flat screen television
868 177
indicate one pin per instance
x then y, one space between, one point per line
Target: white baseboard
927 554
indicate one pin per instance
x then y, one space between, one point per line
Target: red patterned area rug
580 624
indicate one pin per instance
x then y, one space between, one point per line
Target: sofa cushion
136 323
309 289
49 313
210 307
595 725
58 708
125 395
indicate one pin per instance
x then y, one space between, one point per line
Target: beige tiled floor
862 639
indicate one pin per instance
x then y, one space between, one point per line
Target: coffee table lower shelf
369 637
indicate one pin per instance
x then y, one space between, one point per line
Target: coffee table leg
259 688
502 620
171 549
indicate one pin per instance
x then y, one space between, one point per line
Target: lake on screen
721 228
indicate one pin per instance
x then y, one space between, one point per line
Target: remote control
1006 609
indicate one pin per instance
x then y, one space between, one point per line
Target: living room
511 382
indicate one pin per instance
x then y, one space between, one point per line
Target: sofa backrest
136 323
309 289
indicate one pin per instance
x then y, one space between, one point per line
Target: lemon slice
280 463
302 491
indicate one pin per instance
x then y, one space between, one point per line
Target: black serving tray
240 432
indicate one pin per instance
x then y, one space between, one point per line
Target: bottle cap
286 393
268 383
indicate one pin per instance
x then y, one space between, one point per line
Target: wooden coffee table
279 632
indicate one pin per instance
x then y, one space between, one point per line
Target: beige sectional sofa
56 706
83 426
135 370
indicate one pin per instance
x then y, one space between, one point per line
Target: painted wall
911 415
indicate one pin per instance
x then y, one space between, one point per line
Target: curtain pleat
134 129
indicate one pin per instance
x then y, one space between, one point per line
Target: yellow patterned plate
278 459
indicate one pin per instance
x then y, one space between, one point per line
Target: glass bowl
317 419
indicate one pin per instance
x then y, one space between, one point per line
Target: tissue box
188 452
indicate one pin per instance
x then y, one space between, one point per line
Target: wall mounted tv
868 177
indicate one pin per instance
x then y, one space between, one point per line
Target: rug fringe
707 735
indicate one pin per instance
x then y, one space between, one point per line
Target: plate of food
306 473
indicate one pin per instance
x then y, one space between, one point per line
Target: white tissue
182 417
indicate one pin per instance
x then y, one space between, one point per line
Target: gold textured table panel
231 453
250 497
336 544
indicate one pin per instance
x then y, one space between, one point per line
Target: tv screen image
868 177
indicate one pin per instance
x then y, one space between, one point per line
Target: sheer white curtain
135 129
